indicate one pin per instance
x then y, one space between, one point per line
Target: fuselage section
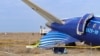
91 35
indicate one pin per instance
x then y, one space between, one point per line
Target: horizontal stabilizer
49 17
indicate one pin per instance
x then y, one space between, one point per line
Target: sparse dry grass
13 44
16 42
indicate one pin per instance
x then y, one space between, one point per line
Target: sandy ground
13 44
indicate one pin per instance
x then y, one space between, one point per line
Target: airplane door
82 23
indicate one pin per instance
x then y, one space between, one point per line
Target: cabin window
94 25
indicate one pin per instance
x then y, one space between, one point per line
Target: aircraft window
94 25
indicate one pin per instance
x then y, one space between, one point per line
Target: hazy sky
15 16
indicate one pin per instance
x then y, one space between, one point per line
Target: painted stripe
47 45
53 41
50 39
54 36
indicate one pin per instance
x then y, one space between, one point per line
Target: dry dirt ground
13 44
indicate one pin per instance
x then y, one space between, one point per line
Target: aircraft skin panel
91 35
49 17
53 38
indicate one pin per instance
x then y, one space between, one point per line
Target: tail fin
49 17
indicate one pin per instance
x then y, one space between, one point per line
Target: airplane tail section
49 17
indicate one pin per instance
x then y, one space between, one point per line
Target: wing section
49 17
53 38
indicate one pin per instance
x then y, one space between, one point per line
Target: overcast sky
15 16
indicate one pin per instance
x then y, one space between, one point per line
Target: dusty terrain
13 44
